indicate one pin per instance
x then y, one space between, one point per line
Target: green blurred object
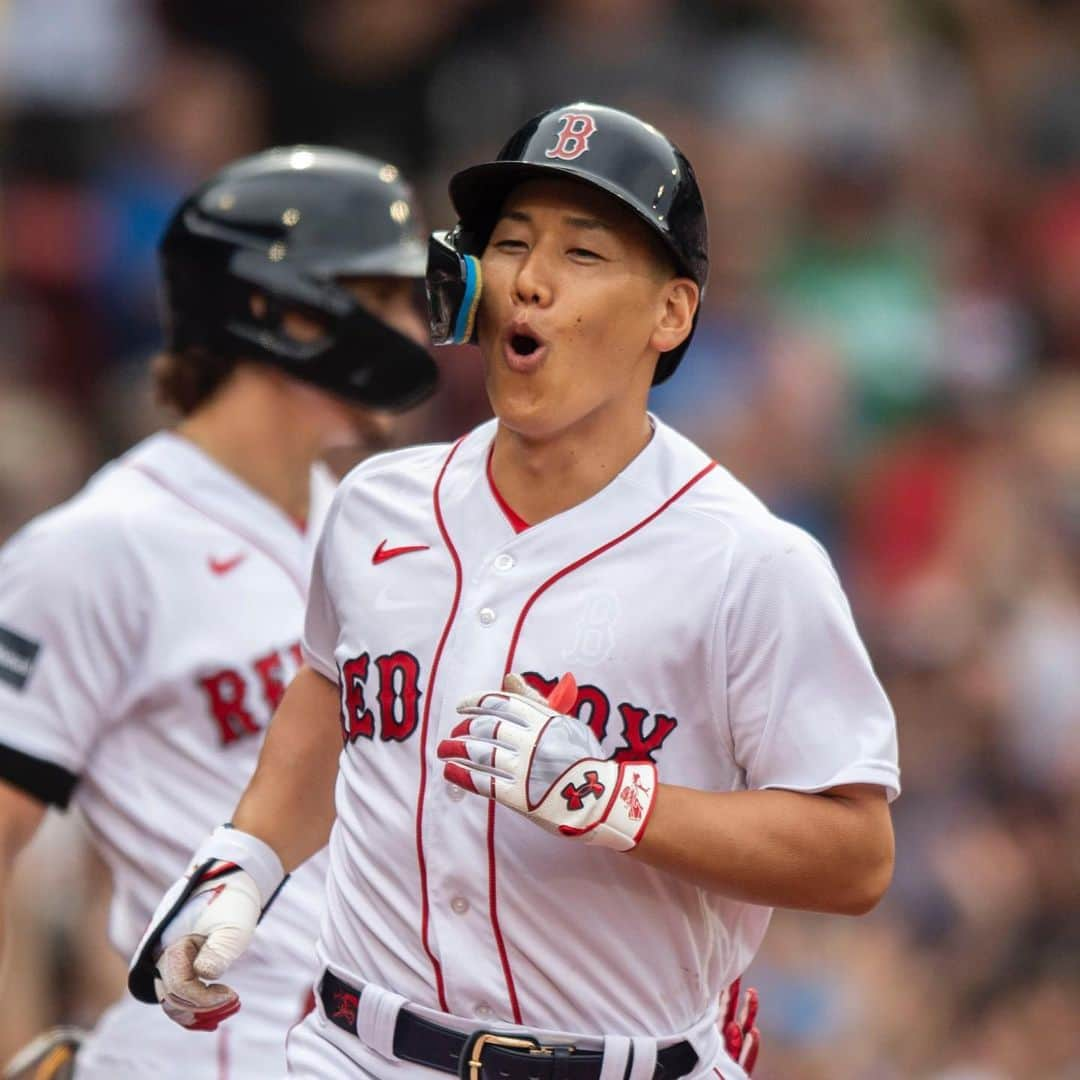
876 303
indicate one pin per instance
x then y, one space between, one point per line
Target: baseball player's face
346 426
577 303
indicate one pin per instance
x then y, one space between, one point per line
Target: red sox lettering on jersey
227 692
398 694
707 637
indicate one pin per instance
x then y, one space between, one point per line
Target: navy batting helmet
604 147
288 223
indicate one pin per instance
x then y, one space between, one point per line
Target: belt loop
644 1066
616 1051
376 1018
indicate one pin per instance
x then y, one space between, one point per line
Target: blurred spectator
198 111
46 454
1054 246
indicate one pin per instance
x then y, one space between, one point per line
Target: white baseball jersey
704 633
148 628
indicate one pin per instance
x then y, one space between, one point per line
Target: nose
532 280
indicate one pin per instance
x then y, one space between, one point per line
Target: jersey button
459 905
504 562
486 616
484 1011
456 793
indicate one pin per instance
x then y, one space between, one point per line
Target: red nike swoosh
223 566
382 552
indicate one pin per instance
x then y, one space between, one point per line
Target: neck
241 430
542 478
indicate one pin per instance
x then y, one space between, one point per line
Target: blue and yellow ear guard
453 290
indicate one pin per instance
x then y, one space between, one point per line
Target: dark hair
184 381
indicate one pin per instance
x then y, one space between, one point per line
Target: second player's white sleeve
321 624
72 614
805 708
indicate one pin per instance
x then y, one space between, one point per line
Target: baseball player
585 709
149 627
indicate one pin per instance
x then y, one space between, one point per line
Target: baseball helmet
604 147
288 223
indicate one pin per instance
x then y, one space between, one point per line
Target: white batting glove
523 751
203 923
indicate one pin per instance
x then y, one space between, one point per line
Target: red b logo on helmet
573 138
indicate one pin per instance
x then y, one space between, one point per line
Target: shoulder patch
17 657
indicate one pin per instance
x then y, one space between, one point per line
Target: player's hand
522 750
742 1040
202 925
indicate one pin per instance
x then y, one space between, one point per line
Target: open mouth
524 345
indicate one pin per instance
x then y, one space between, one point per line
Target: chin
527 414
346 437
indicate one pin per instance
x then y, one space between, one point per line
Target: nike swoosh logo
223 566
382 552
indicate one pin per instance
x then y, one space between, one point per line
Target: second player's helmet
288 223
604 147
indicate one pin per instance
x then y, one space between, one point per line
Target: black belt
488 1054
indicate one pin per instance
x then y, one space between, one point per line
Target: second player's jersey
704 633
148 628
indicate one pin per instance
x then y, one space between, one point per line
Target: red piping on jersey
517 522
492 887
422 865
150 474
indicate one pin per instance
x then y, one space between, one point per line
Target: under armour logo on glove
523 751
575 796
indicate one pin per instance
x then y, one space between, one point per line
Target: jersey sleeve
69 626
321 624
805 708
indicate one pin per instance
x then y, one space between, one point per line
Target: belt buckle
484 1039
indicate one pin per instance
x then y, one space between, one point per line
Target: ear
679 302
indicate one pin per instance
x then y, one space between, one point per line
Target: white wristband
256 856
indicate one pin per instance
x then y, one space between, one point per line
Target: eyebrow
569 219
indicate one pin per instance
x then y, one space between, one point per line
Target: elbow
867 887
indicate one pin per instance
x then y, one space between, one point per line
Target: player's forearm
20 817
831 853
289 802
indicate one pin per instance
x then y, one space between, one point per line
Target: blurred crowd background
889 354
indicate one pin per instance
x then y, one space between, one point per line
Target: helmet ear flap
454 282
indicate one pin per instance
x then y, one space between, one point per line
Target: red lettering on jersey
357 719
270 675
639 746
573 138
539 683
399 682
297 654
225 692
594 709
592 706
